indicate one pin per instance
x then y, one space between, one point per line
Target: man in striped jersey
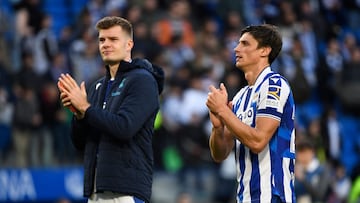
259 121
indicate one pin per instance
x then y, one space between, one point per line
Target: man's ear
130 44
265 51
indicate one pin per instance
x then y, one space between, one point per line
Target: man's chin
237 64
110 62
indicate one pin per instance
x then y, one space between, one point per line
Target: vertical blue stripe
255 179
276 152
238 102
247 99
292 170
137 200
242 170
253 106
275 199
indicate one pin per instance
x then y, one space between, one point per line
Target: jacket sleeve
140 104
80 130
78 134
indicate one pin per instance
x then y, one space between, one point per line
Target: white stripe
268 115
265 174
247 175
288 179
237 152
237 155
284 94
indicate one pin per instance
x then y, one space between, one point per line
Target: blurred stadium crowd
193 41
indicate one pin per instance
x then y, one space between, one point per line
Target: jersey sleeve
272 97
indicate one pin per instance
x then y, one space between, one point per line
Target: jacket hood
156 71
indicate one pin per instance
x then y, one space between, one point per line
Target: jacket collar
123 67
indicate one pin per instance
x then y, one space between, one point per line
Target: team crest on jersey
273 95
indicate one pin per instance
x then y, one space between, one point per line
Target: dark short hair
110 21
305 144
266 35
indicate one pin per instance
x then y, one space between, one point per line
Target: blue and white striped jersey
271 172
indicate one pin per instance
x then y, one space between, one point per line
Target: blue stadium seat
5 133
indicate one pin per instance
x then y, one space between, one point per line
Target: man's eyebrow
243 41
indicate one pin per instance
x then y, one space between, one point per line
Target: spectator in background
29 15
133 13
348 84
330 130
55 125
178 54
6 116
233 21
96 10
176 24
85 59
192 139
45 46
352 13
88 65
312 179
207 38
27 117
309 10
152 12
184 198
320 139
334 14
208 51
145 42
26 125
329 68
348 44
6 36
295 65
341 186
82 24
60 64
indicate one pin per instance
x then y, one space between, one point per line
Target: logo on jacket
122 83
118 92
97 86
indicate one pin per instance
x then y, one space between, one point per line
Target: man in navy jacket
113 121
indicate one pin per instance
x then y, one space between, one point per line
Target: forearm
255 138
220 144
78 134
240 130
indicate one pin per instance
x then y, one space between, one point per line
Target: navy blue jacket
117 140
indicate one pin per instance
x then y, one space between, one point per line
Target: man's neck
253 73
113 69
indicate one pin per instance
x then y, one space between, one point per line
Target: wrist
80 113
84 108
218 129
222 111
